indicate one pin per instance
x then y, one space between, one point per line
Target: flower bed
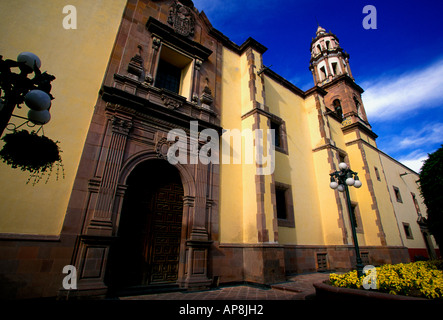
417 279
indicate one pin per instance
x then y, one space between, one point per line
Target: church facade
137 219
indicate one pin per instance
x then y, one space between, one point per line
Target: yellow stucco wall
331 228
406 181
231 184
78 59
358 157
297 168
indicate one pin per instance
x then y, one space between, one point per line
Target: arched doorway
147 248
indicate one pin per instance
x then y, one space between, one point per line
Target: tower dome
328 60
320 30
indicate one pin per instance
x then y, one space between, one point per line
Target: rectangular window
168 77
334 68
377 174
323 73
284 205
341 158
407 230
322 261
354 217
365 258
174 71
397 194
280 140
277 132
280 197
417 208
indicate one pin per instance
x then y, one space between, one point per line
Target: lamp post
342 180
17 88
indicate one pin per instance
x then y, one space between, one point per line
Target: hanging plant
31 152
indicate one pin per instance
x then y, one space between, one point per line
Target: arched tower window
323 74
357 107
337 107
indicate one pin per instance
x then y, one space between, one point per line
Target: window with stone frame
397 194
322 261
280 140
417 208
356 216
377 173
174 72
168 77
284 205
407 230
338 109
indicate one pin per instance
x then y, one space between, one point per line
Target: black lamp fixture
17 88
342 180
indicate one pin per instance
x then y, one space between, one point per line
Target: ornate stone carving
120 125
181 19
198 64
155 43
206 97
162 147
149 79
171 103
135 66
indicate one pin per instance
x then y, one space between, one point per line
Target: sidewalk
296 288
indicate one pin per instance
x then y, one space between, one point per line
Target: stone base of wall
31 266
301 259
267 263
255 263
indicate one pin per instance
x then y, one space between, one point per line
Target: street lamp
17 88
341 180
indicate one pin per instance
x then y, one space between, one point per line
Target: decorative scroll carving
162 146
121 126
181 19
171 103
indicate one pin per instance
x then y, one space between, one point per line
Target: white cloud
410 145
428 134
414 163
392 96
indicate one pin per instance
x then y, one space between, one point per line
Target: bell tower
328 60
330 68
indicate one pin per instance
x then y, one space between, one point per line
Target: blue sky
399 64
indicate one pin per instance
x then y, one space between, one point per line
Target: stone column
194 265
101 219
93 244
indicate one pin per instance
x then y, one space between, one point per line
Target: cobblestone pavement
296 288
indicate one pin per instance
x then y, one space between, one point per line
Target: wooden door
162 246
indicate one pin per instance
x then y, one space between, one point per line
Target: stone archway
149 235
